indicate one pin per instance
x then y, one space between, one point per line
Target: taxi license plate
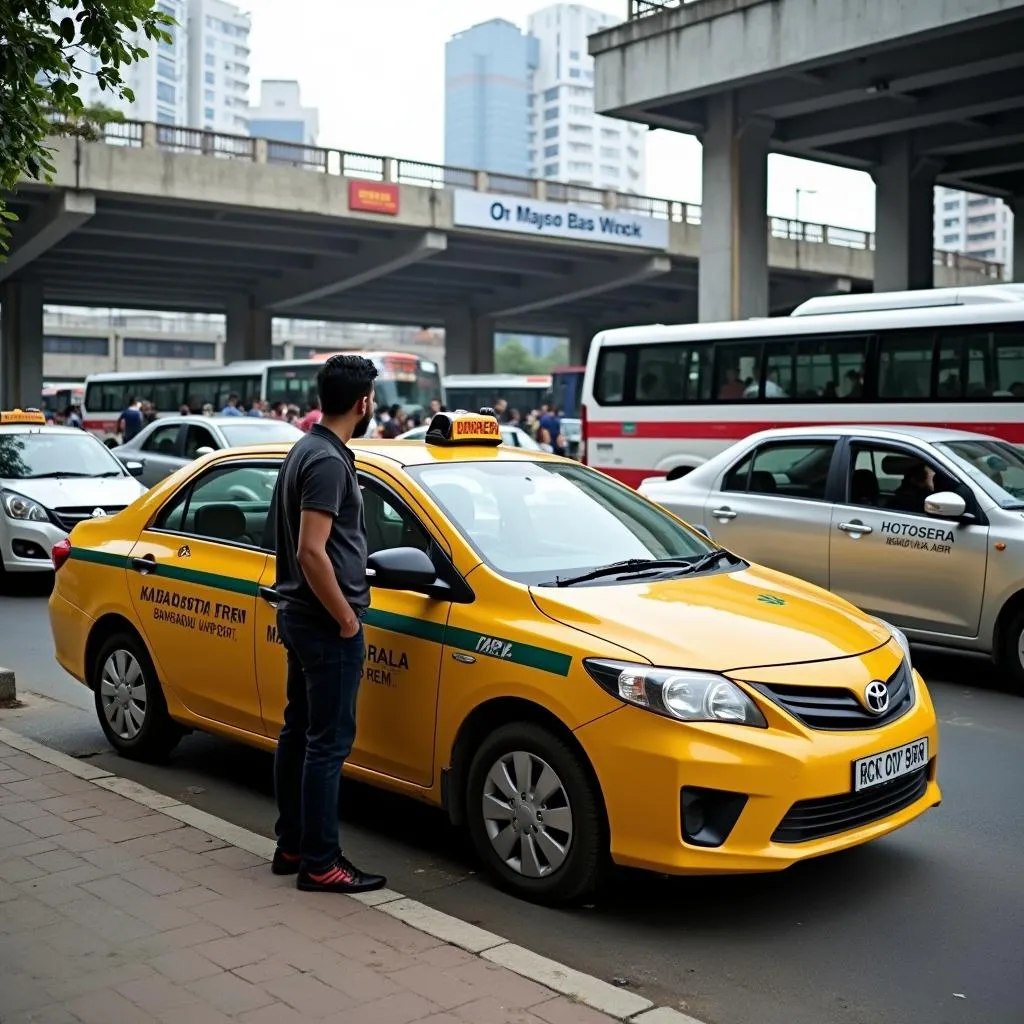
889 764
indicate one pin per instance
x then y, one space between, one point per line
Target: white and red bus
659 400
403 379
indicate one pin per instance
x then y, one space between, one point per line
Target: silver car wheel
123 694
527 814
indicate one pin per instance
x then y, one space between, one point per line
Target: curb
582 988
8 691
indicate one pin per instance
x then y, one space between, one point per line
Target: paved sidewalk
112 912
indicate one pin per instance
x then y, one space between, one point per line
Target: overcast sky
375 68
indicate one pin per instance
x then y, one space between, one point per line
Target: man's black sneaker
342 876
285 863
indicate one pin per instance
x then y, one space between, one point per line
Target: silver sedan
510 435
170 442
923 527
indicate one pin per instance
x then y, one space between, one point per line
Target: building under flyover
915 92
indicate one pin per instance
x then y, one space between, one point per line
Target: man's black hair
342 381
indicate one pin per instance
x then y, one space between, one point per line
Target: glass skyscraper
488 74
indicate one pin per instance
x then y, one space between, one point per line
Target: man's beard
363 425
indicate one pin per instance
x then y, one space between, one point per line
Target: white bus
660 400
524 392
403 379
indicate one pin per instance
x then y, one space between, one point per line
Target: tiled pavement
112 913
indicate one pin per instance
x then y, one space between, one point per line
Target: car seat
762 482
222 521
864 488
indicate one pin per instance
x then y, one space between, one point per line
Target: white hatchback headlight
17 506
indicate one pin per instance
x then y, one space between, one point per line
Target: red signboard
373 197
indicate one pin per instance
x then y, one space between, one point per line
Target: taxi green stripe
529 656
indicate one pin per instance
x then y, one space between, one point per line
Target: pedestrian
129 423
231 409
73 417
312 417
321 580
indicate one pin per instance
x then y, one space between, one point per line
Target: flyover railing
645 8
396 170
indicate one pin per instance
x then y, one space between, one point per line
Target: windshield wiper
629 565
58 475
708 560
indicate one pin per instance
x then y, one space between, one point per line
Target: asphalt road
923 927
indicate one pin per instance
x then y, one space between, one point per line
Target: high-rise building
980 226
281 115
488 71
218 67
569 142
160 83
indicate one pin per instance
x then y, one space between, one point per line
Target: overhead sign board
557 220
373 197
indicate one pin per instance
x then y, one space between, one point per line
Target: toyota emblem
876 697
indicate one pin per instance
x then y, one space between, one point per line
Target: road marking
584 988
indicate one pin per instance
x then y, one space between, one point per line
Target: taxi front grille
836 708
830 815
70 516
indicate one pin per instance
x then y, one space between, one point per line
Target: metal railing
645 8
370 167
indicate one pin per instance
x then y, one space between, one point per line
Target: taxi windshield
40 454
995 466
533 521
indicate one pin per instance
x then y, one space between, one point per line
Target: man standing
130 421
321 579
231 409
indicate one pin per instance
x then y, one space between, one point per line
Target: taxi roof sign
33 416
464 428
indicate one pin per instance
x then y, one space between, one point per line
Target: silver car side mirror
204 450
945 504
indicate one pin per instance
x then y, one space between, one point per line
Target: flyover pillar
21 344
580 335
468 342
1017 206
904 218
249 331
733 282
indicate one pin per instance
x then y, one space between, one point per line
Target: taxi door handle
724 513
271 596
856 528
146 564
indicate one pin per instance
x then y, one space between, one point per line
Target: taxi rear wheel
535 815
129 702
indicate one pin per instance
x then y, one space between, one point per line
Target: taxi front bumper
25 545
750 780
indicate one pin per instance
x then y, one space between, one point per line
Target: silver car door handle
724 513
855 528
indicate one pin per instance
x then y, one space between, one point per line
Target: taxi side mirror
133 468
400 569
945 505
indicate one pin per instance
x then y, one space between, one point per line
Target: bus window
167 395
905 365
1009 363
830 368
610 379
738 370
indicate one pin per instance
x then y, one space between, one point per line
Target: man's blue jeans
324 670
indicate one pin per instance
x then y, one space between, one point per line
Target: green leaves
41 65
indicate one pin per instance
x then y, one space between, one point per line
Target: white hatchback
51 478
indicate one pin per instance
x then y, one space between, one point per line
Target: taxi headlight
679 693
17 506
900 637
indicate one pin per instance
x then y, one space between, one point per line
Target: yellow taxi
566 668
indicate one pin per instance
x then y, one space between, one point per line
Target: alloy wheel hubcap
123 694
527 814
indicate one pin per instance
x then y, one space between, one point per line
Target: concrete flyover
176 219
916 92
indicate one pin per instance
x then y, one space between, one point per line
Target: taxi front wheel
129 701
535 815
